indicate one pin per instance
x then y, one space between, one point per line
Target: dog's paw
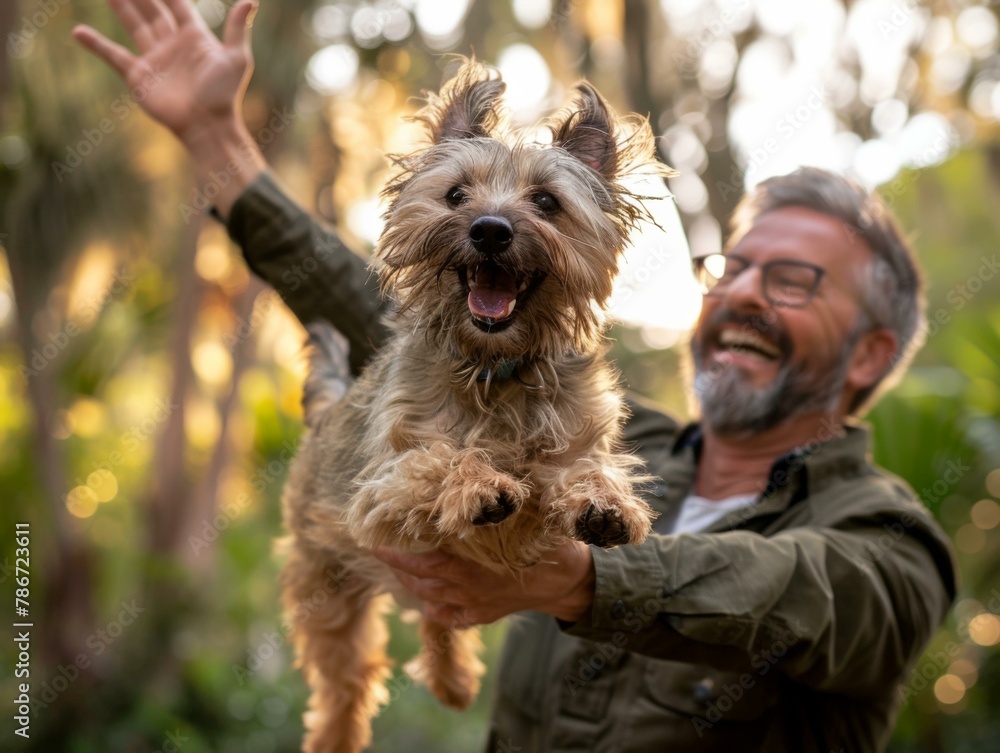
472 500
494 510
611 526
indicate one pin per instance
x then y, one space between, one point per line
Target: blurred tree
905 95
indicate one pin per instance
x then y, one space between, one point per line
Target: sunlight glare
440 18
332 69
532 14
364 219
655 289
528 79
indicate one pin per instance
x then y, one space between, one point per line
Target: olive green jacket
788 626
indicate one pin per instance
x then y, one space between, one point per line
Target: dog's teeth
522 287
511 305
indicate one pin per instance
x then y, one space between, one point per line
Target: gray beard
732 407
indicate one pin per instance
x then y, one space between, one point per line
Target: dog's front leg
593 500
429 492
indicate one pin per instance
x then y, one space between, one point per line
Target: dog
489 425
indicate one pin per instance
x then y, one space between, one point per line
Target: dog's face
508 250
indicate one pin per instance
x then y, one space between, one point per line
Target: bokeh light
985 514
333 69
104 484
528 79
984 629
81 502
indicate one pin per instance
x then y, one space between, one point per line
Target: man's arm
313 272
841 608
194 85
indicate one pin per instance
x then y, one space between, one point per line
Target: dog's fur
494 440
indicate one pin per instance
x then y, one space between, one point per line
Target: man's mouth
742 342
494 294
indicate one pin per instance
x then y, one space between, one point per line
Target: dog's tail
329 371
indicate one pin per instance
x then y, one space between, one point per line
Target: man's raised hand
198 80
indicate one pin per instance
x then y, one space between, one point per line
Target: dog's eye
455 196
546 202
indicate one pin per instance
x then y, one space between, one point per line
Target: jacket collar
836 453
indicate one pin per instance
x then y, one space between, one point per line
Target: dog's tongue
492 294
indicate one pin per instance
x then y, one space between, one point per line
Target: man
791 586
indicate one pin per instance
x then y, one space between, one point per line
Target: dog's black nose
491 235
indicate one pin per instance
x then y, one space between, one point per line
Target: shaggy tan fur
491 437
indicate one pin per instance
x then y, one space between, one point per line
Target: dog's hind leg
340 636
449 664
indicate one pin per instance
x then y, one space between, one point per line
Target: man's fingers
182 12
110 52
156 15
426 589
137 28
237 30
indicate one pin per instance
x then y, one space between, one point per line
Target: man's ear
468 106
872 358
587 132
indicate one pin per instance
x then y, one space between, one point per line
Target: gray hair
891 287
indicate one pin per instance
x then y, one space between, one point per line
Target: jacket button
704 690
618 610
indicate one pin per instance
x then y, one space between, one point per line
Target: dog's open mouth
494 294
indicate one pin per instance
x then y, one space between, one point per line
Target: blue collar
503 370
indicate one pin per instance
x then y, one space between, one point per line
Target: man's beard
731 406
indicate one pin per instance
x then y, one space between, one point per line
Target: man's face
757 362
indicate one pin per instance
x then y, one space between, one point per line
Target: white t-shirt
698 513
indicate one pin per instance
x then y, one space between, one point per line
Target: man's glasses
786 282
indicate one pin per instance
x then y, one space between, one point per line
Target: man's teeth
747 341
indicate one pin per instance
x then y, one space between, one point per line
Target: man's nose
746 291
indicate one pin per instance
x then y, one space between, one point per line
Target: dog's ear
468 106
587 131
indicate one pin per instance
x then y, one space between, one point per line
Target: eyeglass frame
700 272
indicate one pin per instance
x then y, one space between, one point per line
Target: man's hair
891 287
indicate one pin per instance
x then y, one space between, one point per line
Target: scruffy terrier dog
489 425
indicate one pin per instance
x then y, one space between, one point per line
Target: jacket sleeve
315 274
843 608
